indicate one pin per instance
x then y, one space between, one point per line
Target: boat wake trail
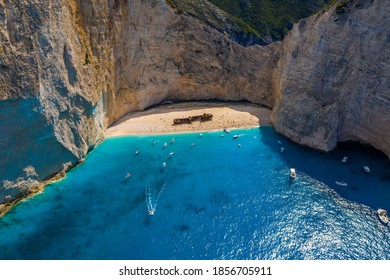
152 196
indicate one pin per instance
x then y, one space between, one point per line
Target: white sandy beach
159 120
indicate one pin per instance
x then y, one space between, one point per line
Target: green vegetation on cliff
211 15
267 20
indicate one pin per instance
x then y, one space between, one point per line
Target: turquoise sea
213 199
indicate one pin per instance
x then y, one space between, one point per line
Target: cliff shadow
371 189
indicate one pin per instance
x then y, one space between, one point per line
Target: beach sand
159 120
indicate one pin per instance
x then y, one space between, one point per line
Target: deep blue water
213 200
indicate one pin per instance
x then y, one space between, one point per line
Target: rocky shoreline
67 73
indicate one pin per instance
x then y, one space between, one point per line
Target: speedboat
367 169
292 173
151 212
341 183
226 130
235 136
345 159
382 214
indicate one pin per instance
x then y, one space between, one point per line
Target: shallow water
213 200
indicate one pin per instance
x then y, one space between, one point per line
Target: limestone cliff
161 55
69 68
334 77
51 105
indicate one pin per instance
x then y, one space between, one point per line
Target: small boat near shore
226 130
367 169
235 136
293 174
341 183
382 214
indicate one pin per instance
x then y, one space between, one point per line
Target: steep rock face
334 78
69 68
161 55
51 108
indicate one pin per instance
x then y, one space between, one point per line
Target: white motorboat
293 174
226 130
235 136
367 169
341 183
345 159
382 214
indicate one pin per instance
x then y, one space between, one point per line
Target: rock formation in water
69 68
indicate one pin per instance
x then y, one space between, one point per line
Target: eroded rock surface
334 77
69 68
51 105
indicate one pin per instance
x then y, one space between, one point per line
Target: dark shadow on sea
371 189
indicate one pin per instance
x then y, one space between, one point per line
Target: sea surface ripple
213 197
